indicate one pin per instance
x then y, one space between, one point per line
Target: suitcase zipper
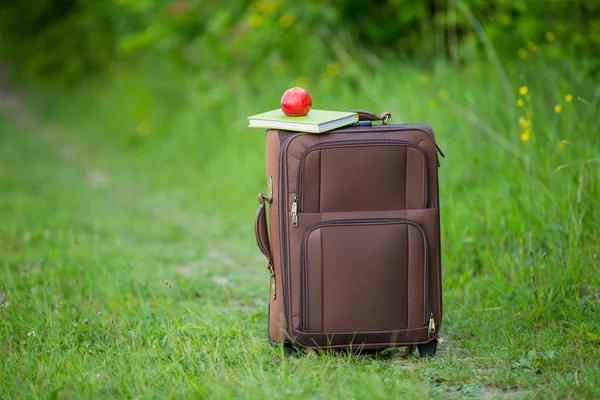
303 272
297 203
273 284
431 330
282 235
387 127
295 211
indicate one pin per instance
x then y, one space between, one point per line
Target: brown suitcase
353 236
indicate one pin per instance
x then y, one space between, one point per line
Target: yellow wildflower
568 98
557 108
522 53
524 122
266 7
550 37
255 20
525 135
531 46
523 90
520 103
333 69
286 21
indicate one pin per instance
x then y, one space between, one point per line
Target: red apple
296 102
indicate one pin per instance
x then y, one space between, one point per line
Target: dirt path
125 190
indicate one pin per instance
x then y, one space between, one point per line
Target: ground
129 266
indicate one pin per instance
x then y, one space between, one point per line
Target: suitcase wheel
428 349
290 350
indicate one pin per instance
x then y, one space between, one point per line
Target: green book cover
316 121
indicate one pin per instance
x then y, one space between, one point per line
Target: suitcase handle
364 115
261 231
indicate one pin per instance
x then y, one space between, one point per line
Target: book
316 121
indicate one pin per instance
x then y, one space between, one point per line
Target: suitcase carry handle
364 115
261 231
262 237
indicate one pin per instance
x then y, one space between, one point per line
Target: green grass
111 191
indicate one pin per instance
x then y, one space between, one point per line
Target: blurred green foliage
73 38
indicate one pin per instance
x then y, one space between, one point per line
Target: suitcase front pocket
364 275
362 175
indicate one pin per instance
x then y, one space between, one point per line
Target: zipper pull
441 153
272 275
273 286
295 211
431 330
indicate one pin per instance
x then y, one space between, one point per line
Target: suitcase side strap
261 231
